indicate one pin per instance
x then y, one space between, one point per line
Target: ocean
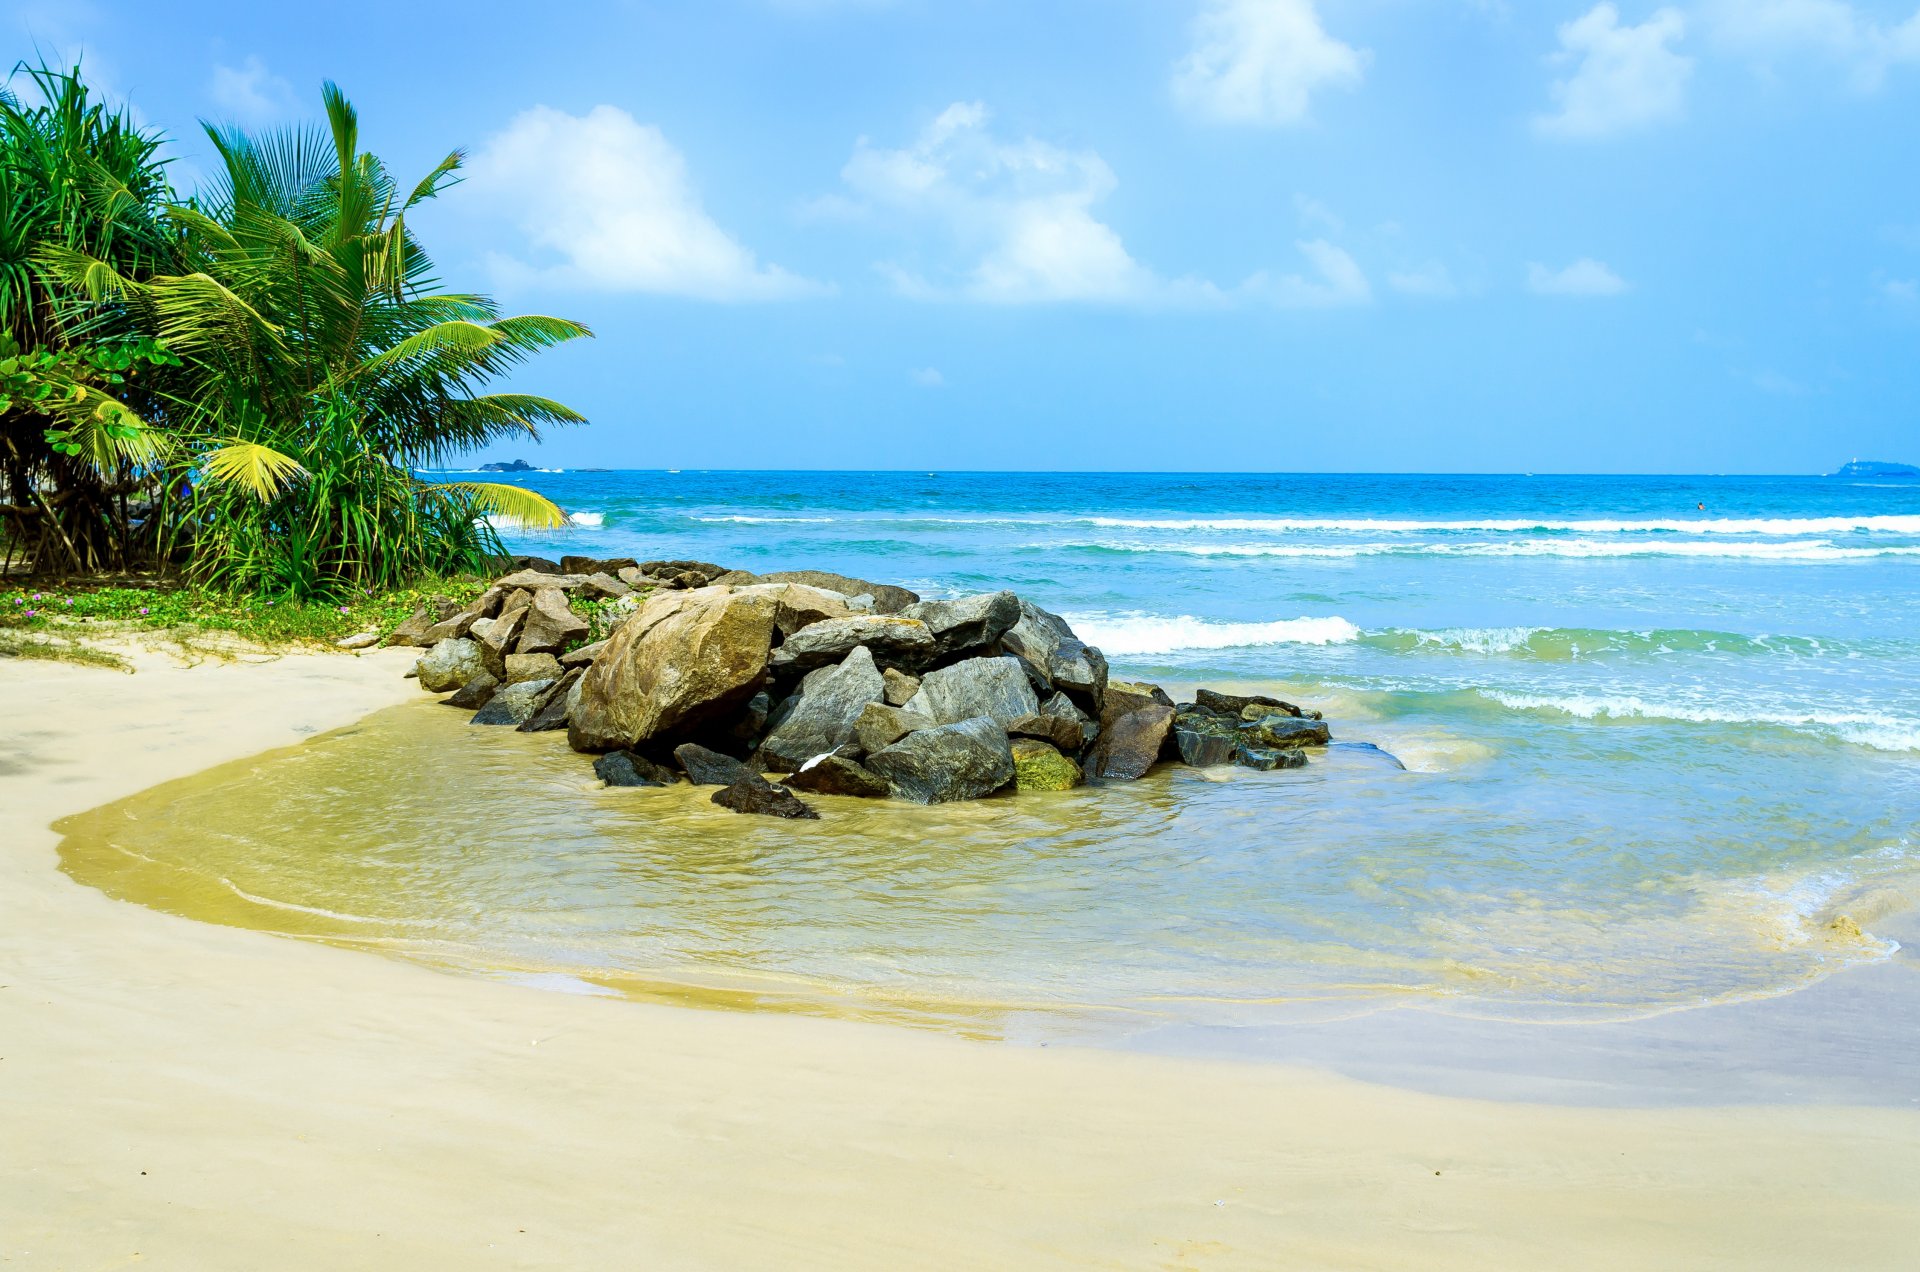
1655 745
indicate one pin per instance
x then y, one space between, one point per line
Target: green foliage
82 610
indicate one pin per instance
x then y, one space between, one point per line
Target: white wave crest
588 519
1134 635
1865 728
1774 526
1796 550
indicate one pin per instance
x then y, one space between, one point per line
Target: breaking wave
1135 635
1873 729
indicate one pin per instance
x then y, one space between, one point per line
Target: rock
624 768
1235 705
888 638
1280 732
550 625
458 624
752 793
886 600
1205 740
534 580
738 578
632 577
448 665
555 706
1062 734
879 726
708 768
900 687
359 640
474 694
498 639
603 587
1266 760
1040 767
993 687
966 624
1129 742
691 574
1054 657
821 716
536 563
1141 689
686 660
480 628
837 775
801 606
1371 752
1064 707
745 732
514 704
967 760
532 667
582 656
594 565
414 629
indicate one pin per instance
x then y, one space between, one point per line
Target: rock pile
838 685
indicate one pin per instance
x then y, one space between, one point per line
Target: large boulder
886 599
1203 739
555 705
1129 742
879 726
1054 657
969 623
550 625
887 637
1281 732
967 760
800 605
686 660
1266 760
449 665
1040 767
513 704
705 767
752 793
821 716
993 687
838 775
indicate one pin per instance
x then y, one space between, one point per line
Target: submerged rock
1267 759
837 775
624 768
1280 732
1203 739
1130 741
996 688
1038 766
450 664
705 767
821 716
751 793
474 694
970 759
513 704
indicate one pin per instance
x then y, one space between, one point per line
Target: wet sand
181 1095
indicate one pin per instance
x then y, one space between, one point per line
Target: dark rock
993 687
550 625
474 694
755 794
593 565
900 687
1129 742
879 726
821 716
1056 659
1280 732
1141 689
1234 704
1203 739
967 624
886 599
887 637
540 565
1066 709
1266 760
702 572
706 767
624 768
450 664
533 580
513 704
555 705
1368 751
1063 734
968 760
1040 767
745 731
837 775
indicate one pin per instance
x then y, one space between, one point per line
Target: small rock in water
705 767
512 705
624 768
1279 732
475 693
550 712
1235 704
1129 743
449 664
1204 739
1038 766
836 775
1266 760
752 793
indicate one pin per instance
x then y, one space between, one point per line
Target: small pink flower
68 602
143 609
343 609
32 613
36 596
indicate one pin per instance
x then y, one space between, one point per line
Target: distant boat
1876 468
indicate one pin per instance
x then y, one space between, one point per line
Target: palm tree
322 364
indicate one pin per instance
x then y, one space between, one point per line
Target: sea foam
1135 635
1873 729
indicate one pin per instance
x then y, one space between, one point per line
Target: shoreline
297 1105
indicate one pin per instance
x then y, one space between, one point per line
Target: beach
175 1094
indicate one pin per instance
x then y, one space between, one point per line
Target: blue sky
1290 235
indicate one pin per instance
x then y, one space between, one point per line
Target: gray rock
474 694
458 624
837 775
821 716
967 760
532 667
887 637
555 706
1280 732
1064 735
879 726
550 625
886 599
1204 739
1056 659
706 767
900 687
1129 742
496 637
993 687
535 579
449 664
624 768
513 705
1235 704
1064 707
752 793
1266 760
603 587
969 623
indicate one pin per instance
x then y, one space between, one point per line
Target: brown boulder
550 625
1130 741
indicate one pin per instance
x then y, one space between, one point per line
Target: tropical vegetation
237 388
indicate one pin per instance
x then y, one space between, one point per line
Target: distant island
511 466
1876 468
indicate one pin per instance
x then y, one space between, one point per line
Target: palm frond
511 503
259 470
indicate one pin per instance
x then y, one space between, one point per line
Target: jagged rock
1040 767
888 637
1054 657
752 793
967 760
532 667
738 578
603 587
359 640
582 656
497 640
900 687
538 564
1063 734
458 624
513 704
1205 740
969 623
550 625
800 605
706 767
837 775
1141 689
474 694
1067 709
413 629
1267 760
1235 704
555 705
1280 732
993 687
593 565
624 768
685 661
821 716
449 664
879 726
687 574
886 599
1130 741
533 580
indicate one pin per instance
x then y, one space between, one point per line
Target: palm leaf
512 503
259 470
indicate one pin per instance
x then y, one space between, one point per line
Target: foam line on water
1775 527
1873 729
1805 550
1135 634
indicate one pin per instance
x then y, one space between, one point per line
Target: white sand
176 1095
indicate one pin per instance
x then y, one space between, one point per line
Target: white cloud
1584 278
1336 281
251 93
1903 291
1261 61
1433 281
1627 77
928 377
610 198
1772 31
1313 213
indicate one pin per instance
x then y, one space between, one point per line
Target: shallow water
1654 761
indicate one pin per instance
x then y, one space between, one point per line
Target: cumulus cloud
1586 278
1770 32
1432 281
250 92
1902 291
1334 279
1623 77
606 203
1261 62
928 377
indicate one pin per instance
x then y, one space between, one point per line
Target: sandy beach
179 1095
